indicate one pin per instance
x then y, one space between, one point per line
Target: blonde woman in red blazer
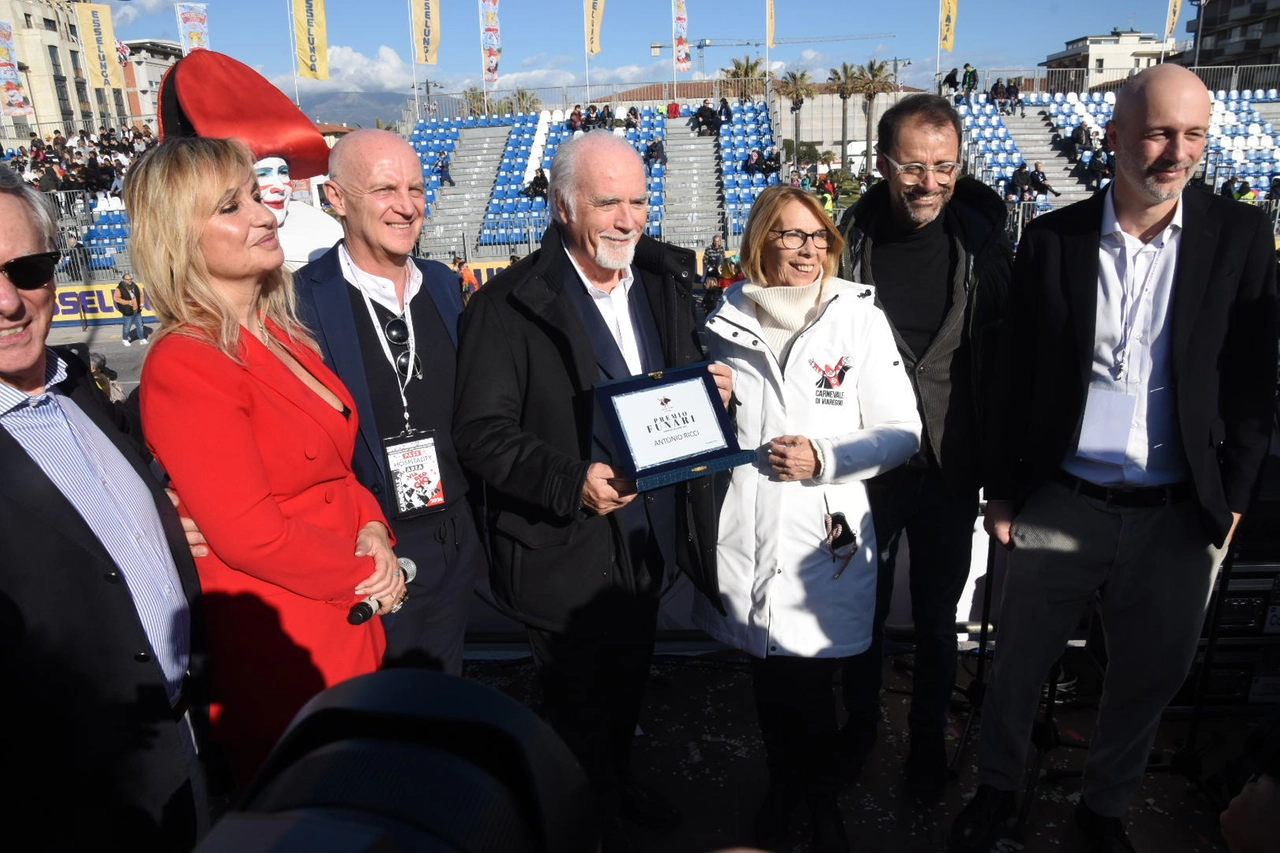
257 436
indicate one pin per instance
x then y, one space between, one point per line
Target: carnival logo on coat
830 377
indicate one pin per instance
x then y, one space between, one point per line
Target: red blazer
263 466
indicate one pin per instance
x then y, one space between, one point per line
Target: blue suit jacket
325 306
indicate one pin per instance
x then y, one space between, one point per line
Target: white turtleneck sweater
783 312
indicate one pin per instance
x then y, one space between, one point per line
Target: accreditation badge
414 469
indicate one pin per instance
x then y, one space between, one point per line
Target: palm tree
743 68
527 101
795 86
743 72
473 100
844 82
873 79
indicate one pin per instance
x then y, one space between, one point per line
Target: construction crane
703 44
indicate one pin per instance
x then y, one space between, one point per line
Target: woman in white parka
823 396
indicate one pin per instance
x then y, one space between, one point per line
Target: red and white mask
275 185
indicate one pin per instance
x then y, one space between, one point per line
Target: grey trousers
1154 571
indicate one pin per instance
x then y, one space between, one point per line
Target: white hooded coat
846 390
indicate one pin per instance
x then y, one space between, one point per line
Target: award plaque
669 426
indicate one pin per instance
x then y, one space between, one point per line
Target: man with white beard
576 555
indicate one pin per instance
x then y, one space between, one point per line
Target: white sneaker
142 341
125 341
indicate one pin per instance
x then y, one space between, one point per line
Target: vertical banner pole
413 62
293 52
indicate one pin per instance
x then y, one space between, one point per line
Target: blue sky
369 40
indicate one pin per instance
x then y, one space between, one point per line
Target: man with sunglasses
387 324
99 639
932 242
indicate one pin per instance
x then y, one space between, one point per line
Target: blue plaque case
699 465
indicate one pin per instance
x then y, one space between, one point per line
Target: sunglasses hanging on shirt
407 363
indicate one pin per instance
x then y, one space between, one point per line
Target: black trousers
796 705
593 690
939 527
429 631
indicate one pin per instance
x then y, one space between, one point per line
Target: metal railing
1022 213
1215 78
92 263
619 96
16 135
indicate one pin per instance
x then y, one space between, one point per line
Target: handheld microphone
363 611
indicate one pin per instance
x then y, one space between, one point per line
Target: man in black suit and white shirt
97 629
1137 416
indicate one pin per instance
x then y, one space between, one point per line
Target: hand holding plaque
671 425
605 489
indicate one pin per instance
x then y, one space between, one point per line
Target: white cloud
538 79
126 13
352 71
653 72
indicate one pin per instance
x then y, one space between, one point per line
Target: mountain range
356 109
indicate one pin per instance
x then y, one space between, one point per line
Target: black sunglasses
31 272
397 332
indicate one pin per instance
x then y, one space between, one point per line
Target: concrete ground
701 747
125 361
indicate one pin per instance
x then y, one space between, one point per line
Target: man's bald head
1161 81
376 187
1158 131
360 145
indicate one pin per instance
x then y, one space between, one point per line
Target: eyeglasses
397 332
913 173
793 239
31 272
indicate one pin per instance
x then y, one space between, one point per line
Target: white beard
612 256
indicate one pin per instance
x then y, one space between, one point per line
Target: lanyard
1129 308
402 382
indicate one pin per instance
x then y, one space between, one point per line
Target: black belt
1128 498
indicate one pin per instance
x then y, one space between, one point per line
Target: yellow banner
311 35
426 30
595 13
947 25
768 22
99 39
1175 10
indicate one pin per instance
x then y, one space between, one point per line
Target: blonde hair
170 193
765 214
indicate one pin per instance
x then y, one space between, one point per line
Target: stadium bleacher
749 130
106 238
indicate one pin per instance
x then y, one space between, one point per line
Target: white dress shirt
114 502
1132 407
615 310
